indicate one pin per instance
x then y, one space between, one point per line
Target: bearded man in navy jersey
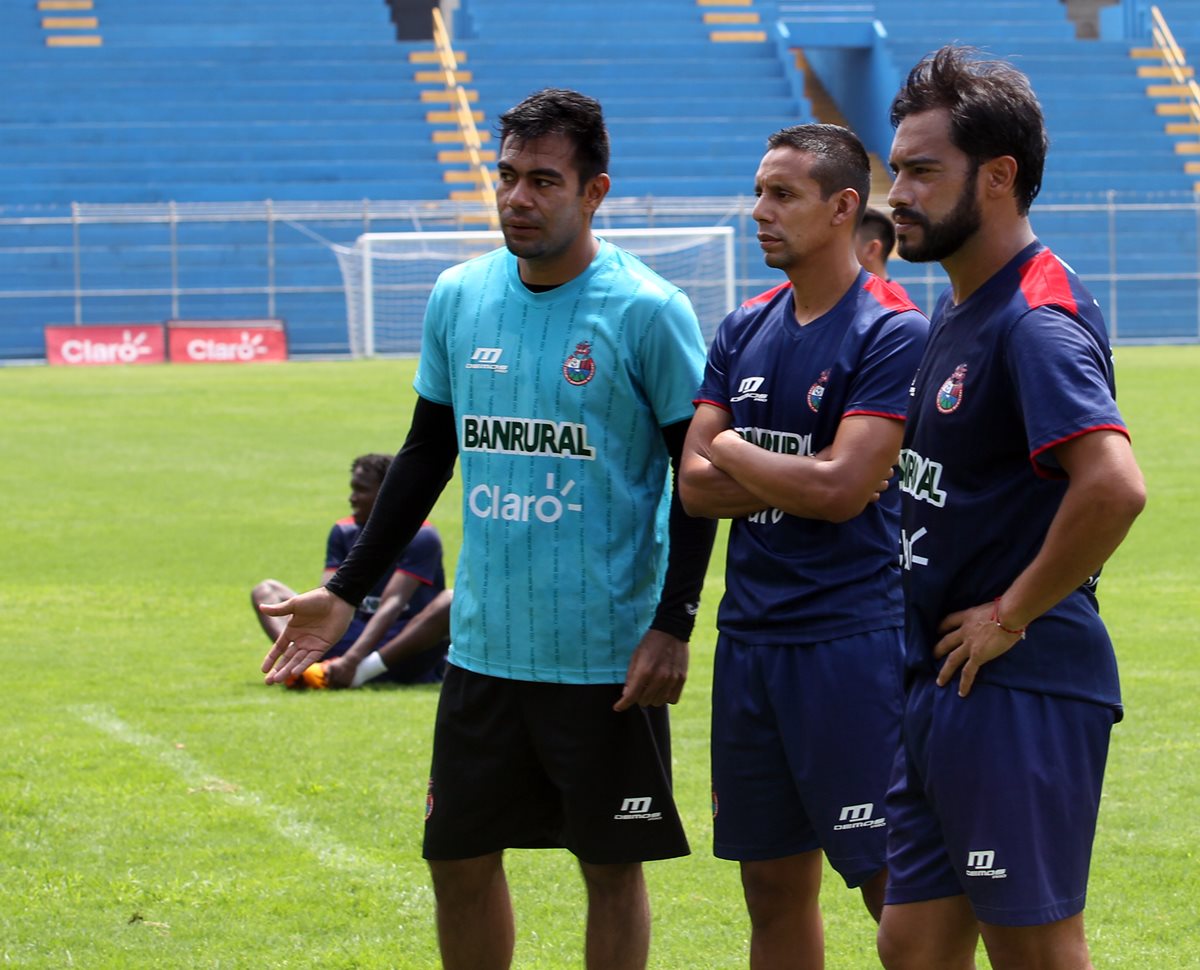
1018 483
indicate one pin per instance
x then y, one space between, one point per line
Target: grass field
160 808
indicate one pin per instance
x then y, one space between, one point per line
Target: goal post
388 276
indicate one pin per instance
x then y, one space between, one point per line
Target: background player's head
559 111
812 186
874 241
992 112
366 476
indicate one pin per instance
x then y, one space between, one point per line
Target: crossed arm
725 476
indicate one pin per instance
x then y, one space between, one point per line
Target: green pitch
160 808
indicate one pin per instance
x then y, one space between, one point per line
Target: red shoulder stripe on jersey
889 295
1044 283
768 295
715 404
348 520
1043 472
417 576
874 414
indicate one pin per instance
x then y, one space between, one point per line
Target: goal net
388 276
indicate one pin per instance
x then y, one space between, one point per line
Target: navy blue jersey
1019 367
787 387
421 559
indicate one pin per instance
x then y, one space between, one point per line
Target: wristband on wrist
1020 632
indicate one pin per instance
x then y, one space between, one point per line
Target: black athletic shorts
518 764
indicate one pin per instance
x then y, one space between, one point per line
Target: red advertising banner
226 341
118 343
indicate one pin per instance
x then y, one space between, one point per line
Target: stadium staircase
690 88
1108 140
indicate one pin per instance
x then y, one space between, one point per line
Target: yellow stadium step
1192 168
70 23
466 195
450 117
455 137
447 95
460 156
74 40
470 175
725 17
1187 148
1173 108
1183 127
1147 53
1168 91
65 5
1164 70
437 77
431 57
738 36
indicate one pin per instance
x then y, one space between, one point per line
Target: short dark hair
375 465
840 161
993 111
876 225
560 111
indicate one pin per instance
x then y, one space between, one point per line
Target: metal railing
106 263
1174 58
472 143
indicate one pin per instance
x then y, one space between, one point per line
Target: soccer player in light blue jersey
560 372
1018 482
798 424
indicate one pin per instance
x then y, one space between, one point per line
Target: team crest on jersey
429 800
579 368
817 391
950 394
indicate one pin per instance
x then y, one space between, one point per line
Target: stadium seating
307 100
688 114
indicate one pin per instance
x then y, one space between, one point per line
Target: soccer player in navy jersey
414 585
798 425
1017 482
873 244
559 371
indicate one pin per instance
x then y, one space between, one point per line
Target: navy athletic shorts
803 741
995 795
518 764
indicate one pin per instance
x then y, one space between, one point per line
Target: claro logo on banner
128 343
226 341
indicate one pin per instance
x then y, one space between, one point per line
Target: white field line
328 851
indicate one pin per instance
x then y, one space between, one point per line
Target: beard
945 238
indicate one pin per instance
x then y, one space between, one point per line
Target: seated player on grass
413 594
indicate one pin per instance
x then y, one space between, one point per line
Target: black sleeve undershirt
419 473
416 478
691 542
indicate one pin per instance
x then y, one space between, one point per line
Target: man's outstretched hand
316 621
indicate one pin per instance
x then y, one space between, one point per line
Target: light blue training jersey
559 398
